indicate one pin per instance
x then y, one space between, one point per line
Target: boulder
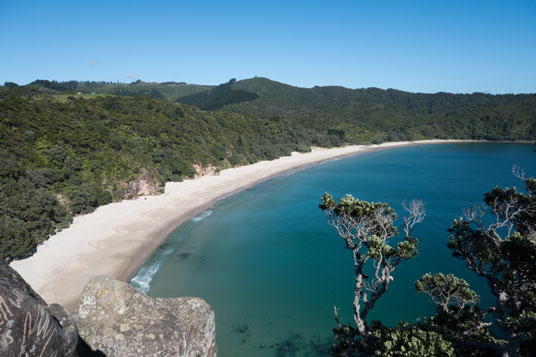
28 326
120 321
197 318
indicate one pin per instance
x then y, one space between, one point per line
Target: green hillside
390 115
65 157
166 90
68 147
218 97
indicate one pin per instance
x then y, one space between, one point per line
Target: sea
273 269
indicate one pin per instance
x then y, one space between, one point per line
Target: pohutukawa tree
500 247
496 241
368 230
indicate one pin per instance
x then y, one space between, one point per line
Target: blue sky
418 46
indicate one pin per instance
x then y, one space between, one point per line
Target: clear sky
418 46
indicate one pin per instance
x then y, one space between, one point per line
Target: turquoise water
272 268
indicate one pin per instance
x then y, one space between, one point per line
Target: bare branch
366 228
519 173
475 213
504 212
416 215
336 316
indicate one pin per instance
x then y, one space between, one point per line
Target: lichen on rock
197 318
120 321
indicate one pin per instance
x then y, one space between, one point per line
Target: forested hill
165 90
357 115
62 155
391 115
68 147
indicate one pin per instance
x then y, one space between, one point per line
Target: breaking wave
202 216
143 279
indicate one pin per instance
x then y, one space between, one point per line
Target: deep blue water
268 263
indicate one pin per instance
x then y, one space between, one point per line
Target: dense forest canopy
68 147
218 97
391 115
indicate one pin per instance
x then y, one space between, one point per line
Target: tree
499 246
368 229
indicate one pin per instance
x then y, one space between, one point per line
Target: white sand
116 238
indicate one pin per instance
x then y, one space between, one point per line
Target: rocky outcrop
120 321
197 318
201 171
146 184
112 317
28 326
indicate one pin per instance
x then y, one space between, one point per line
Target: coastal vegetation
373 115
498 245
69 147
79 154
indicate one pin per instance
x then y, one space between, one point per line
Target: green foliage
378 248
367 229
86 153
337 115
218 97
87 149
350 208
29 212
503 251
524 324
508 260
401 340
446 290
410 340
373 115
55 85
10 84
408 248
370 224
460 325
166 90
85 198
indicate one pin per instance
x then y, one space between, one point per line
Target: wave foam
168 251
143 279
202 216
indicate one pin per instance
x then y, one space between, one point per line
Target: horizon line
262 77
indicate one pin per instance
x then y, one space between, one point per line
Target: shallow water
272 269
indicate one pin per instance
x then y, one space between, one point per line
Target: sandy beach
116 238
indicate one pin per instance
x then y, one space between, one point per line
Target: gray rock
120 321
197 318
28 326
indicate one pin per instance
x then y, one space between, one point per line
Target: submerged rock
28 326
120 321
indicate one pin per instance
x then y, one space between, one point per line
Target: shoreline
116 239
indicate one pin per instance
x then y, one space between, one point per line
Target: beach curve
117 238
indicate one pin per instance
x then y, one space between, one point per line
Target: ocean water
272 268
